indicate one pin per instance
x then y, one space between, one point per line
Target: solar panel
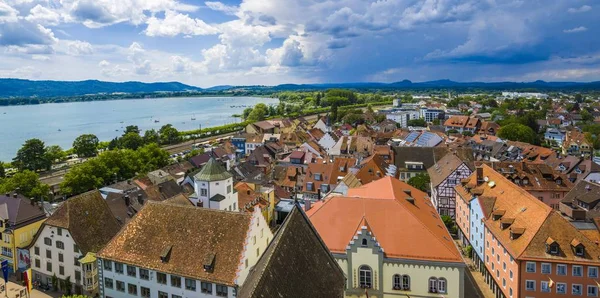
413 136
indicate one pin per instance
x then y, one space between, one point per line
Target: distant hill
27 88
11 88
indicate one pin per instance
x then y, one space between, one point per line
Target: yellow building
19 222
252 195
389 241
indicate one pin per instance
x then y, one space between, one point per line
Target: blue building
553 134
477 233
240 143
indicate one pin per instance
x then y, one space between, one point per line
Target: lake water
59 124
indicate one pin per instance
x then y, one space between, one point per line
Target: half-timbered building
445 175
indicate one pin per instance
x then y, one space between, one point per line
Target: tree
26 183
259 113
86 145
518 132
420 181
132 129
246 113
578 98
334 112
32 156
467 133
169 134
54 282
2 174
436 121
151 136
586 116
449 223
67 287
417 122
55 153
131 140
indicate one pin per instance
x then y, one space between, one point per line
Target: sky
269 42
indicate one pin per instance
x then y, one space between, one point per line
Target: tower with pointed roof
213 187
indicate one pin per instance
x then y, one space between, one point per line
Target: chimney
319 194
140 199
479 171
127 200
307 204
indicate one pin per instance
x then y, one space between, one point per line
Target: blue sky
267 42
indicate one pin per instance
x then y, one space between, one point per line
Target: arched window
365 276
405 282
442 285
364 242
397 282
433 283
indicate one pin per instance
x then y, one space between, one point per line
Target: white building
524 95
213 187
327 141
430 114
67 242
174 251
253 142
402 116
323 124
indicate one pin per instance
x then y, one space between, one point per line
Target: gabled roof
19 211
428 155
89 220
372 168
587 192
389 209
212 171
296 264
176 227
443 168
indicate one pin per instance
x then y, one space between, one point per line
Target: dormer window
578 248
525 181
318 176
552 246
506 222
559 181
364 242
497 214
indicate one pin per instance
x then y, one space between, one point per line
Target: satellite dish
486 179
492 184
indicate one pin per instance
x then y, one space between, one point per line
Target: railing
90 273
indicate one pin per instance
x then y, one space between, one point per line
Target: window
576 289
119 268
592 291
204 192
510 274
162 295
530 285
59 231
365 276
561 288
107 265
61 258
364 242
405 282
577 270
504 266
545 287
190 284
77 275
175 281
61 270
397 282
441 285
48 241
131 271
592 271
36 251
580 251
48 254
530 267
145 292
49 266
546 268
120 286
132 289
175 296
108 283
561 269
60 245
228 188
161 278
37 263
75 248
433 284
206 287
504 283
222 290
144 274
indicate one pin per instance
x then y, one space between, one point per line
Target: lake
60 123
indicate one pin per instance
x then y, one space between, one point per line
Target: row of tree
113 166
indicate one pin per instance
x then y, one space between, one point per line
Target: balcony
90 287
90 273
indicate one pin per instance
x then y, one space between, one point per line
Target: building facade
445 175
213 187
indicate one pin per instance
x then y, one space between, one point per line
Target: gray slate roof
296 264
212 171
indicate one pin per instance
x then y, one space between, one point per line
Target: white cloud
44 16
7 13
584 8
78 47
219 6
40 57
176 23
575 30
